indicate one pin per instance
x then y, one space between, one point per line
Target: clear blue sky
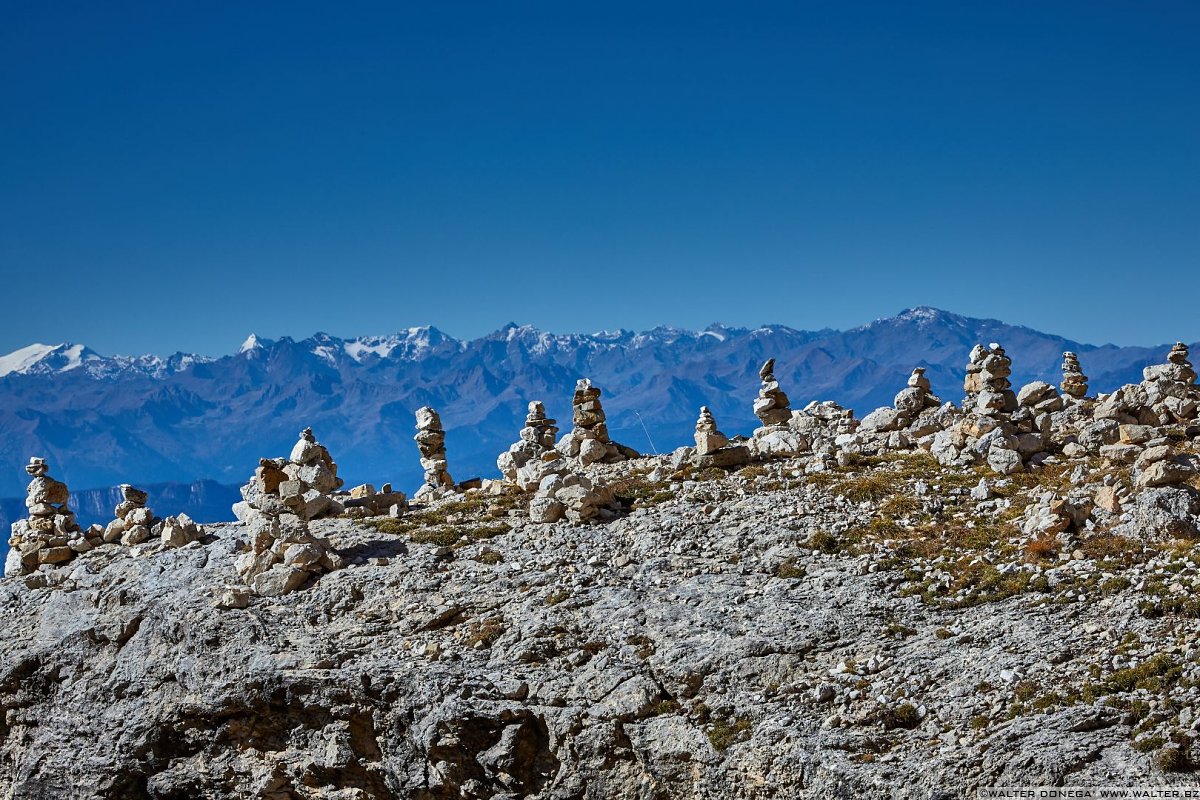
174 175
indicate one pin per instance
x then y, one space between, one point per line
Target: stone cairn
987 387
431 441
772 405
299 486
536 439
713 448
133 520
50 535
278 502
1074 382
588 439
783 434
708 438
908 404
917 395
1170 387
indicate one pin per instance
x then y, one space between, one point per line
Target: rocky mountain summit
930 599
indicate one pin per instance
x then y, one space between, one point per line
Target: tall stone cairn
708 438
772 405
586 412
988 390
431 441
588 440
1074 382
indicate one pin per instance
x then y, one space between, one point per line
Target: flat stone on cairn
431 442
1074 382
772 405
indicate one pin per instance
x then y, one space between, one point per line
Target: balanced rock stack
298 488
283 557
779 436
713 448
917 396
50 535
431 441
708 438
987 387
1170 387
1074 382
588 439
909 404
536 438
772 405
133 520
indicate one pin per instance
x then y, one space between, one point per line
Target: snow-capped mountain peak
46 358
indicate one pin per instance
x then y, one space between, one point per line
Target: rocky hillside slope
768 631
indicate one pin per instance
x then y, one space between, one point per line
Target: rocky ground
751 633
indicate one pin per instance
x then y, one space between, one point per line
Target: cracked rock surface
750 633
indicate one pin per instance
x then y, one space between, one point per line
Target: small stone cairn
1170 387
1074 382
283 495
708 438
133 520
364 501
588 439
431 441
917 395
298 488
560 491
50 535
772 405
908 404
713 448
536 439
781 435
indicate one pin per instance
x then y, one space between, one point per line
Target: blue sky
176 175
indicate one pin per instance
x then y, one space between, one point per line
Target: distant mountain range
147 420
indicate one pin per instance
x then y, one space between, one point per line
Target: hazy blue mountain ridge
145 420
